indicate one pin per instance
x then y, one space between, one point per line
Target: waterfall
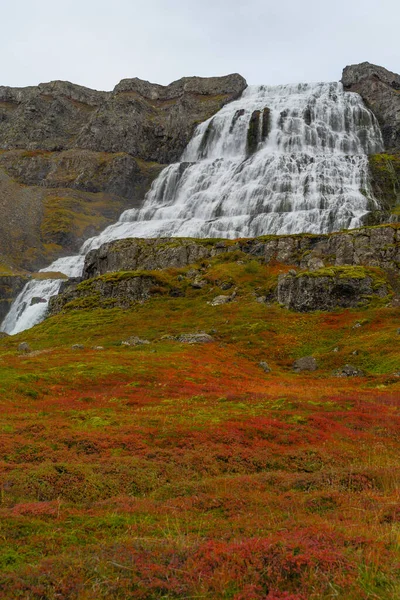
280 160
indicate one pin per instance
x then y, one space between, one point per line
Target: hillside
169 446
72 159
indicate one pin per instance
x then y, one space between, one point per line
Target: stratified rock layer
149 121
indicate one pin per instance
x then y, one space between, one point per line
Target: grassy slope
178 471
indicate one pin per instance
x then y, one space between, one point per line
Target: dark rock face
115 292
307 292
10 287
380 90
148 121
135 254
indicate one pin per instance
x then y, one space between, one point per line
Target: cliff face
72 159
337 270
380 90
148 121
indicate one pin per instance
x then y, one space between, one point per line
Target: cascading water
283 159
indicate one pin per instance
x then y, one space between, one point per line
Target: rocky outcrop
330 288
148 121
150 254
380 90
10 287
121 291
368 246
345 270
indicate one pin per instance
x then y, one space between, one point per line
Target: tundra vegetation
190 470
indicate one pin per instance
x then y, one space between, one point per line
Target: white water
308 173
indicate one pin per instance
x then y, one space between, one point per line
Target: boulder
306 363
24 348
349 371
195 338
218 300
134 341
265 367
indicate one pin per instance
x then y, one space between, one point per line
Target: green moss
385 180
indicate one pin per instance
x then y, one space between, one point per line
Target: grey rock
226 285
146 120
98 347
349 371
195 338
306 363
218 300
77 347
24 348
135 341
199 283
265 367
305 293
380 90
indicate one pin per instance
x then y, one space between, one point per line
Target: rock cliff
328 271
72 159
380 90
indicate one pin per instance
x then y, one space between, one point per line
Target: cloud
97 43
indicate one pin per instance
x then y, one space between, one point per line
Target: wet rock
306 363
349 371
265 367
37 300
24 348
195 338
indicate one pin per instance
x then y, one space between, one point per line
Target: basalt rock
146 120
327 289
380 90
368 246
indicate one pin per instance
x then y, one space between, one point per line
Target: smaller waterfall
279 160
24 312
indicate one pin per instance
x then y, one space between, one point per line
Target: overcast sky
97 43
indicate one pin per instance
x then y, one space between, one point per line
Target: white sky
97 43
